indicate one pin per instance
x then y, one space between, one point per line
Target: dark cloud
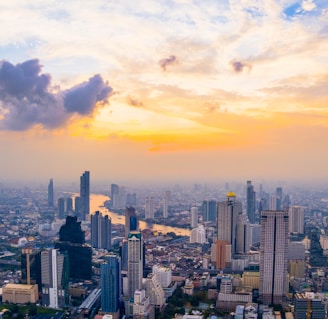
239 66
134 102
171 60
27 98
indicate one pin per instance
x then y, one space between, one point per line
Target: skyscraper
114 195
273 256
135 262
166 199
111 289
279 198
194 216
296 219
149 208
85 195
101 231
251 202
31 266
55 279
131 220
51 193
228 212
72 241
209 208
61 207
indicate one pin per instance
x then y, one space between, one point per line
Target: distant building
209 209
31 266
198 235
85 195
194 217
155 291
251 202
296 219
61 207
273 258
51 193
55 278
149 208
101 231
166 199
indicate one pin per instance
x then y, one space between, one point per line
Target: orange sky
186 90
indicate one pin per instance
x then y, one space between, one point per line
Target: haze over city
164 90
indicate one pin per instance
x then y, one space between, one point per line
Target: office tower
198 235
194 217
101 231
242 230
85 195
61 207
273 256
135 262
54 277
209 208
296 219
166 199
131 199
31 267
124 254
222 254
111 289
228 212
69 205
114 195
155 291
149 208
131 220
279 198
51 193
72 240
273 202
309 305
251 203
77 205
317 258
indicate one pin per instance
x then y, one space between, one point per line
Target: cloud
134 102
171 60
239 66
308 5
27 97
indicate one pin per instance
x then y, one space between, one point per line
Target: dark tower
51 193
85 195
251 203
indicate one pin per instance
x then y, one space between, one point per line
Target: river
97 202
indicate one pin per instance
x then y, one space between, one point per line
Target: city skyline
167 91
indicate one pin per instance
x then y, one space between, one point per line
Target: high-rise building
309 305
31 266
85 195
149 208
222 254
131 220
198 235
72 241
135 262
101 231
228 212
69 205
142 309
194 216
279 198
273 256
51 193
163 274
296 219
77 205
111 289
209 208
61 207
55 279
251 203
166 199
114 196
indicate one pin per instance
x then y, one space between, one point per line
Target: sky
163 90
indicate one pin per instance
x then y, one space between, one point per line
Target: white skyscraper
194 216
164 275
198 235
166 199
155 291
135 262
273 256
